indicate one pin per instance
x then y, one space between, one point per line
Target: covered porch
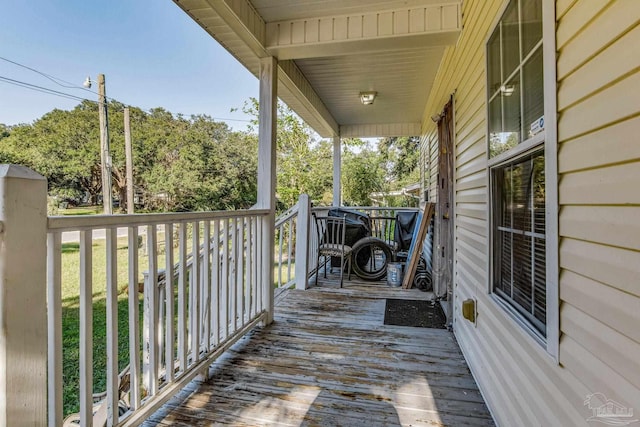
214 340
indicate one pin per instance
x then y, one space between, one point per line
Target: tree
401 155
61 145
302 162
362 173
179 163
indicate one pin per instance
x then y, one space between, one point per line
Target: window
515 76
515 104
519 237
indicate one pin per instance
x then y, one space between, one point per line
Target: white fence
202 291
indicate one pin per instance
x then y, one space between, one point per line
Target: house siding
598 95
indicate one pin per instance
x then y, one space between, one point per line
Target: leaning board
416 245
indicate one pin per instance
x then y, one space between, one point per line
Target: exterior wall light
507 90
367 98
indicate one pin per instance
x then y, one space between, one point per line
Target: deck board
328 360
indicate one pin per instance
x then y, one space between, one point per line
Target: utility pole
105 155
128 150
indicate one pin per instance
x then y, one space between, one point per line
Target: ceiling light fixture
367 98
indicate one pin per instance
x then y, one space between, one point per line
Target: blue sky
151 52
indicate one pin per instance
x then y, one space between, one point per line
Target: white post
23 290
337 164
302 241
267 173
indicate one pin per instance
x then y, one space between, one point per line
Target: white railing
374 211
285 255
203 290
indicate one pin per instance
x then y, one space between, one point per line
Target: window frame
546 140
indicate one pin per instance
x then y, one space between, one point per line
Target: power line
54 79
42 89
70 85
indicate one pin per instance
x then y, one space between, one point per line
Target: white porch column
302 241
337 164
267 173
23 290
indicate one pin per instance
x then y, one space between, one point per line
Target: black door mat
422 314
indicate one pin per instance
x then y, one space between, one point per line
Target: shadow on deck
328 360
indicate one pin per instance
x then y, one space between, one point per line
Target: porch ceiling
331 50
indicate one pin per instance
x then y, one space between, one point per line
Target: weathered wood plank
328 359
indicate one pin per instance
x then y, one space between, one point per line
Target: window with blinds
519 237
515 108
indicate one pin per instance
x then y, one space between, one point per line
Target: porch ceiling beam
245 22
429 25
299 87
373 130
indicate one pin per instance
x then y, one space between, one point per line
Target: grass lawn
83 210
71 321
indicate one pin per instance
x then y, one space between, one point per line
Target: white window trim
550 138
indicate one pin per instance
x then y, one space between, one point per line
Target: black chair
331 243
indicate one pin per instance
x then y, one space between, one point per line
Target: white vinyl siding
598 45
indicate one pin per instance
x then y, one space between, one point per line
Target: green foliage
401 155
179 163
362 174
304 164
195 163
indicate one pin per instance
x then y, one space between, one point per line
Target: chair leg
324 261
341 269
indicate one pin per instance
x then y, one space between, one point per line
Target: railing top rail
367 208
65 223
286 216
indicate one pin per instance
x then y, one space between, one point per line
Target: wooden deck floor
328 360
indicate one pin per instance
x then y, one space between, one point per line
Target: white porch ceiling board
398 77
294 80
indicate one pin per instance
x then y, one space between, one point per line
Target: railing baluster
289 249
112 326
280 232
182 297
152 307
254 265
215 273
206 279
261 279
54 322
134 321
248 268
169 303
160 331
232 275
225 279
240 274
86 329
194 293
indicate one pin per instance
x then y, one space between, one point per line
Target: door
443 234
